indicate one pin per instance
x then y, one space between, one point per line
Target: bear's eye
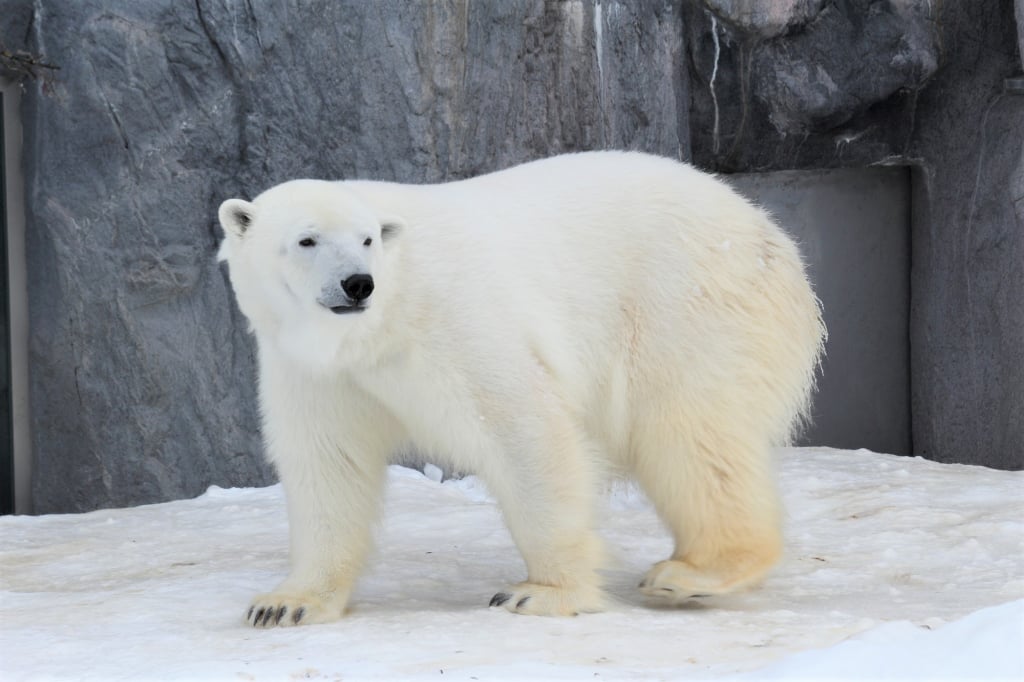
367 241
307 242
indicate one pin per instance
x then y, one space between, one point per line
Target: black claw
643 584
699 596
259 616
500 598
267 615
522 602
299 613
280 614
248 616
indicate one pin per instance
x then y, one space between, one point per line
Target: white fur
540 326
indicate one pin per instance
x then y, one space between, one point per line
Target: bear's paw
676 581
546 600
285 610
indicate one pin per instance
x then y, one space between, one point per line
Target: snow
987 644
896 567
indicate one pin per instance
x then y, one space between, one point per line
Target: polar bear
546 326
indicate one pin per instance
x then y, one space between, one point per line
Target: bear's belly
467 417
442 415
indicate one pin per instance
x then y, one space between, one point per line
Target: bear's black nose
358 287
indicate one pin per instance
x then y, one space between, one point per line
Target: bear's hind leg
717 494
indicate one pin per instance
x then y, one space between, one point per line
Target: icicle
714 74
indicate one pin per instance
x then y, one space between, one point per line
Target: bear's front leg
546 486
332 504
329 445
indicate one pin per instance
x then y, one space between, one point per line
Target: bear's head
308 261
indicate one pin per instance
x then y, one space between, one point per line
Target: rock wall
1019 11
967 324
838 88
142 373
897 82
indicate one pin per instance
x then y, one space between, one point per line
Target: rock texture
967 319
765 19
845 72
901 82
1019 10
142 373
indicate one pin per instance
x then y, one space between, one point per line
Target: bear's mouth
346 309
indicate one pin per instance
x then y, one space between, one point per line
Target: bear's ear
391 226
236 216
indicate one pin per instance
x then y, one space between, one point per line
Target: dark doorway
853 226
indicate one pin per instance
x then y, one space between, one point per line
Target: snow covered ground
896 567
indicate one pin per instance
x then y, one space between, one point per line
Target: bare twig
22 63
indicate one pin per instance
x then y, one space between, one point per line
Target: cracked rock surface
142 373
899 83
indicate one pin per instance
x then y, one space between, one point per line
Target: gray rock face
765 19
142 371
800 99
866 83
820 78
140 367
1019 10
967 321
